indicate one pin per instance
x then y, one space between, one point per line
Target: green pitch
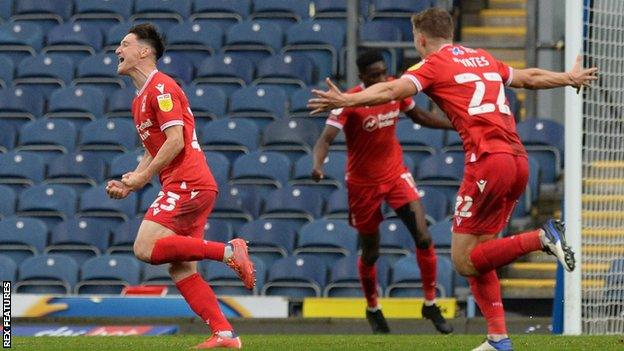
319 342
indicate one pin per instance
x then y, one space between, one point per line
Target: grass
319 342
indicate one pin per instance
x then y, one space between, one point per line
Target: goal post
594 170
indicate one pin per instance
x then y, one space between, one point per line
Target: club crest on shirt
416 66
370 123
164 102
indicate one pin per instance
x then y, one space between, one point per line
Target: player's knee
464 268
423 241
143 251
369 257
181 270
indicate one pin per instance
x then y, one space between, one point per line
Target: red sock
496 253
486 290
199 295
368 279
427 262
178 248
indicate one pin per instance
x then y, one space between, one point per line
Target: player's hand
317 174
135 181
582 77
327 100
117 190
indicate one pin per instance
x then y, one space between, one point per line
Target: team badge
165 103
416 66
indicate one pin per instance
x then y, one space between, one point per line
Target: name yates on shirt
144 134
472 61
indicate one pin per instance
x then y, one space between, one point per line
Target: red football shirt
374 153
467 84
160 104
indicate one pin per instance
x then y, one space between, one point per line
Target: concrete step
507 4
545 270
537 288
503 17
494 35
507 54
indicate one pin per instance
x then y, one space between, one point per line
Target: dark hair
368 58
147 32
434 22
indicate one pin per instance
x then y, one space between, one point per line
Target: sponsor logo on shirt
380 121
141 128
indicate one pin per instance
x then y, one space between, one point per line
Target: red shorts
489 192
365 201
185 212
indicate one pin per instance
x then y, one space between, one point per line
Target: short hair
368 58
434 22
147 32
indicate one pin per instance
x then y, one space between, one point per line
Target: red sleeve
167 106
337 117
421 74
505 71
407 104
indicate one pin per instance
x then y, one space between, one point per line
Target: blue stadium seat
418 142
514 104
21 238
120 103
114 35
293 202
398 13
9 198
177 66
319 41
7 69
95 203
108 274
285 71
50 203
73 40
48 138
194 40
164 13
124 163
406 279
107 138
6 9
77 104
544 140
49 274
80 239
123 237
296 277
253 40
8 269
219 166
531 194
442 170
7 138
76 170
157 275
230 137
282 12
226 72
269 240
230 205
21 169
99 71
435 203
453 142
148 197
20 40
337 205
299 103
333 170
378 32
331 9
44 73
344 278
441 236
294 138
327 239
102 14
395 240
19 106
207 103
265 170
223 13
46 14
224 281
218 230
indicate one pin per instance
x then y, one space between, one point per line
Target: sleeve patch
416 66
165 103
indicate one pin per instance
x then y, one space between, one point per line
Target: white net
603 170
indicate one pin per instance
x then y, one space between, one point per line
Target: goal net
602 199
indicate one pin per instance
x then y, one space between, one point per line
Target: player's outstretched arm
321 149
168 151
428 119
536 78
377 94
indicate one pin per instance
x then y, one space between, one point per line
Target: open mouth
121 59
